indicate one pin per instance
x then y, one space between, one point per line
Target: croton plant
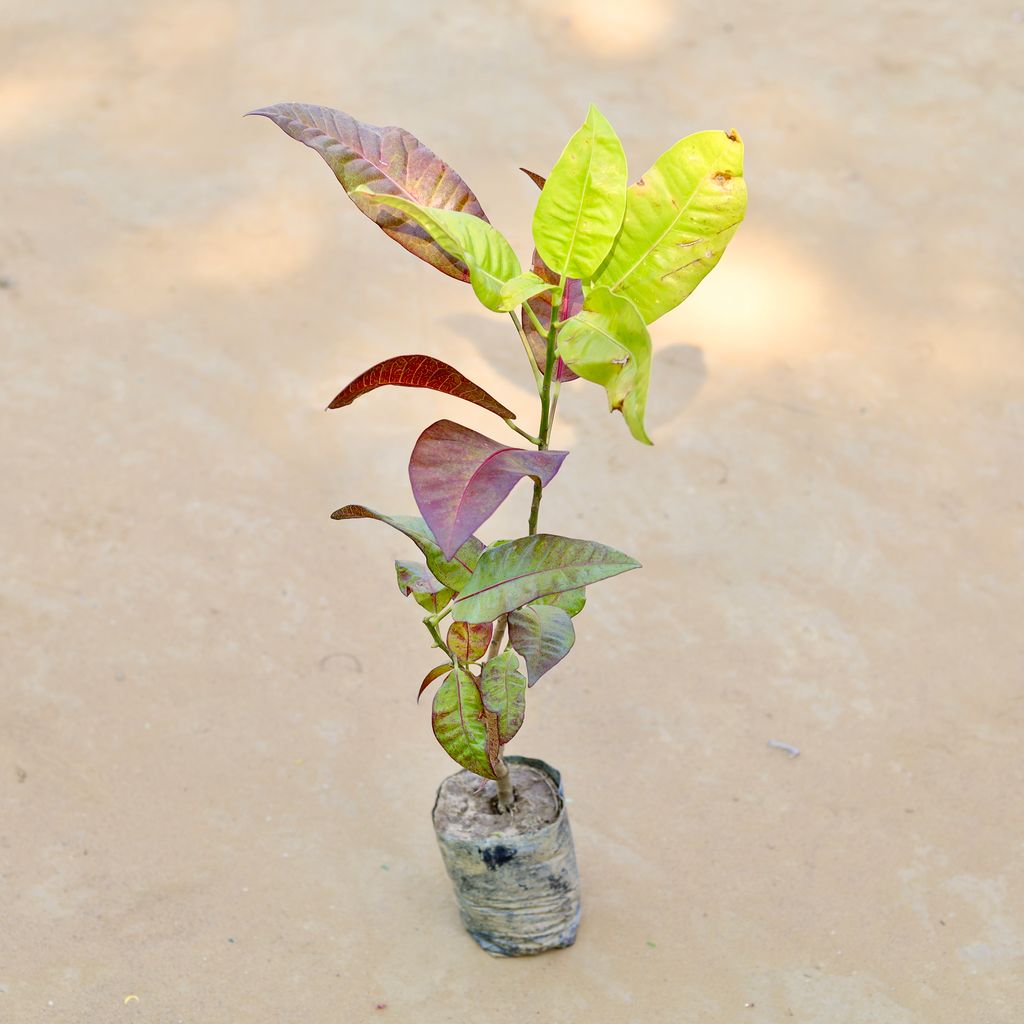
610 259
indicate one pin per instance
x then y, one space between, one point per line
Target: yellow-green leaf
484 249
583 200
679 218
608 344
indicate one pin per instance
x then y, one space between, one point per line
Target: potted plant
610 259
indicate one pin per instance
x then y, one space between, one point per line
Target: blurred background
215 780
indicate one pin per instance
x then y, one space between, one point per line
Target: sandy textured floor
215 782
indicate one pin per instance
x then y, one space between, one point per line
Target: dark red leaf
418 371
538 179
433 674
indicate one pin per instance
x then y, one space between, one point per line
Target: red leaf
459 477
433 674
390 160
417 371
538 179
469 641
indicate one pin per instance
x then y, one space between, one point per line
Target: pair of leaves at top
473 717
654 241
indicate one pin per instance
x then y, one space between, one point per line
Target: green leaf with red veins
580 209
433 674
388 160
679 218
492 263
459 477
418 371
513 574
571 602
452 572
503 690
468 641
458 722
543 635
416 579
609 344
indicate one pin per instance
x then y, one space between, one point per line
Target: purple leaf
388 160
459 477
543 634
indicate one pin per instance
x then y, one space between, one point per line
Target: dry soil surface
216 783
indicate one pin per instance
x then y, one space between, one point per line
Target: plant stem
546 408
529 355
497 636
431 623
506 795
523 433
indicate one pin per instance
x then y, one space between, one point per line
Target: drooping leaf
468 640
608 343
459 477
416 579
509 576
418 371
580 209
389 160
503 690
484 249
571 601
572 303
458 722
452 572
543 635
679 218
431 676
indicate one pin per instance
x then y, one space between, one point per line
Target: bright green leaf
453 573
679 218
509 576
581 206
458 722
608 343
543 635
484 249
503 690
515 292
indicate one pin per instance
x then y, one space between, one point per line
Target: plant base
515 876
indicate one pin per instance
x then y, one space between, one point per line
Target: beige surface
215 783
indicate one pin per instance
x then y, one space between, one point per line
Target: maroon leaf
433 674
538 179
469 640
459 477
419 372
389 160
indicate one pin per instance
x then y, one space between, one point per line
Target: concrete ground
215 781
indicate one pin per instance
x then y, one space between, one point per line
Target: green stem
523 433
529 355
546 407
431 622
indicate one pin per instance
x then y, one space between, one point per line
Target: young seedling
610 259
